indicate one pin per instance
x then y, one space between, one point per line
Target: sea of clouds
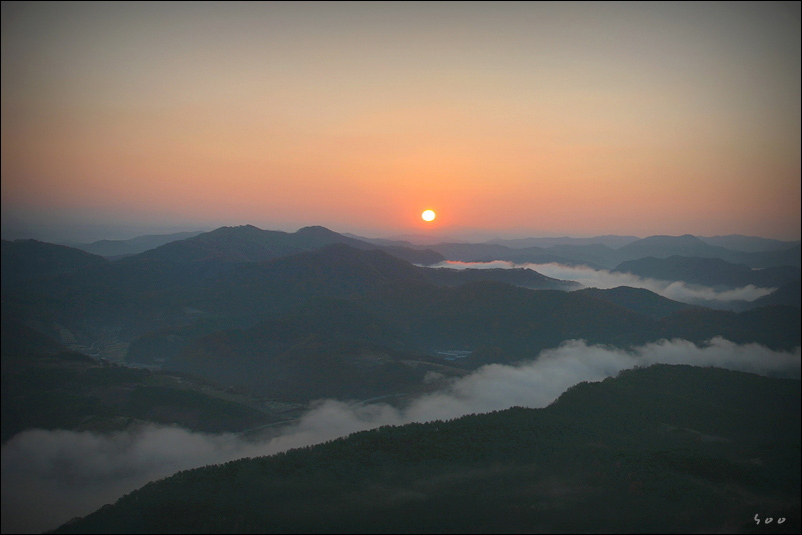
605 279
49 477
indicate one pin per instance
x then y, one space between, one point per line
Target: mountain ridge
663 448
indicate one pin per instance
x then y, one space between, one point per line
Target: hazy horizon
508 119
87 234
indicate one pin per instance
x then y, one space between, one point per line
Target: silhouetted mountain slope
331 348
691 246
154 347
792 256
601 256
191 262
235 245
495 322
140 244
562 254
425 257
152 290
503 323
73 391
466 316
45 386
145 289
381 241
24 260
471 252
638 300
665 246
498 322
789 294
671 449
611 241
284 284
226 245
20 340
526 278
596 256
778 327
386 284
748 244
709 272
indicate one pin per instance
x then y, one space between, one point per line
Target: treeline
638 453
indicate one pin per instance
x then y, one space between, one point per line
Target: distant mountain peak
316 230
683 238
239 230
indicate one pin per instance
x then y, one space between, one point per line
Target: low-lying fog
49 477
603 279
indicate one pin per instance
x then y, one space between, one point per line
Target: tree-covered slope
45 386
24 260
674 449
709 272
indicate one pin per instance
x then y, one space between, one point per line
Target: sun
428 215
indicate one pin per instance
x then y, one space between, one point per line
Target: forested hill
27 259
668 449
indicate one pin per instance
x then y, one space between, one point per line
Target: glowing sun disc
428 215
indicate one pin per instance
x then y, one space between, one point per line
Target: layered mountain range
601 255
241 329
675 449
254 308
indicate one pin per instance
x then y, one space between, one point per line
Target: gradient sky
510 119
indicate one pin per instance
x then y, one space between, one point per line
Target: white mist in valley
605 279
49 477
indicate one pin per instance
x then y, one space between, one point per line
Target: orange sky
522 119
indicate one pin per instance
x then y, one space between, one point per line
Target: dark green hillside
425 257
778 327
607 256
637 300
154 347
709 272
153 290
140 244
789 294
372 339
283 285
667 449
504 323
691 246
330 348
45 386
611 240
665 246
790 256
471 252
24 260
19 340
526 278
597 256
496 322
73 391
160 308
748 244
227 246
